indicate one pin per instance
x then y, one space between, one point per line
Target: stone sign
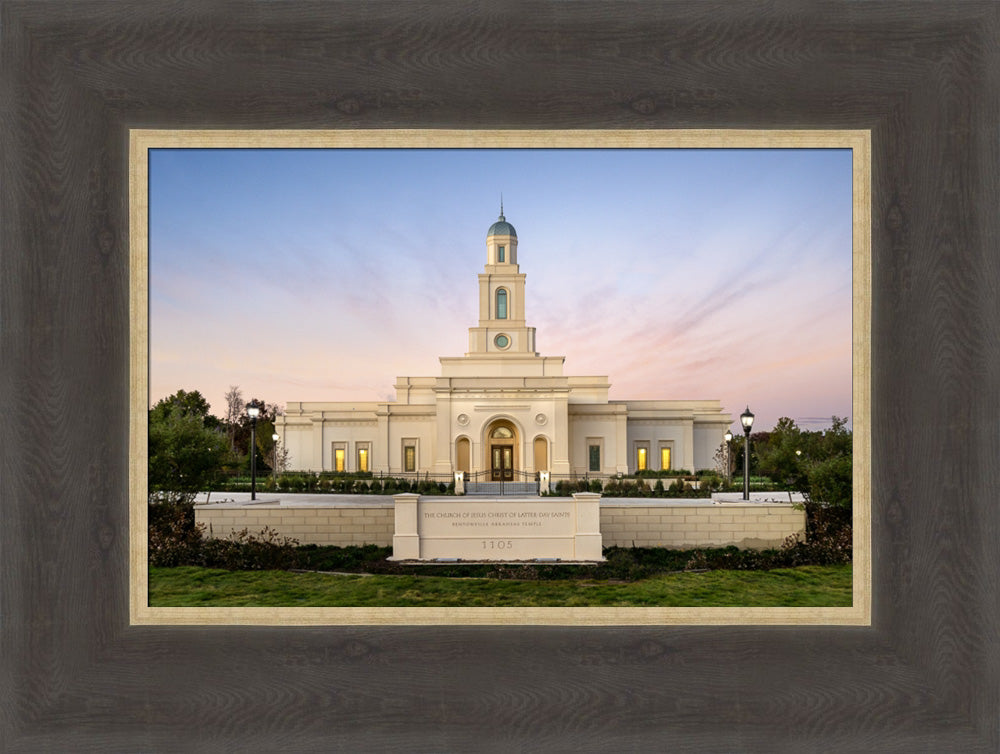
506 529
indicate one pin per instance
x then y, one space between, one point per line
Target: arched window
501 303
502 433
462 454
541 454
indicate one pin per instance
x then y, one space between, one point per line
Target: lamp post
747 419
729 457
253 411
274 465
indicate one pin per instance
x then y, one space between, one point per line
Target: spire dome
501 227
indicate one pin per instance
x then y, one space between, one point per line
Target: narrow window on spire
501 304
500 254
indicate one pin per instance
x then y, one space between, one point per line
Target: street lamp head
747 418
275 437
253 411
728 436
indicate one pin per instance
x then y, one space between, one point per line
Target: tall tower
501 329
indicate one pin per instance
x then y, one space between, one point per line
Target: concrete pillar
622 449
405 538
443 442
689 446
587 541
559 446
316 463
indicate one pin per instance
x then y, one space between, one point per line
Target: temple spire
501 207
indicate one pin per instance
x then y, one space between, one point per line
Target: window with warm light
665 458
338 463
362 459
640 461
410 458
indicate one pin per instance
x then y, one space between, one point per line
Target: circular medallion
502 341
463 419
540 419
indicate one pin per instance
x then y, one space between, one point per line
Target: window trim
641 445
409 444
366 449
669 447
506 303
597 442
341 447
534 452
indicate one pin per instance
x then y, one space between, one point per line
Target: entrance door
503 463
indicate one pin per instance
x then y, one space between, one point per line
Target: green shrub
613 488
660 473
831 481
710 482
174 539
243 551
828 541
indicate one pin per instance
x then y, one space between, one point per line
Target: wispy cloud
319 278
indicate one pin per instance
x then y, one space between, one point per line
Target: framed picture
79 77
802 214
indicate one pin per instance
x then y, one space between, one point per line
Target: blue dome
501 228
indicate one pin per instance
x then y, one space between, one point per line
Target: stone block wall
660 524
313 525
686 527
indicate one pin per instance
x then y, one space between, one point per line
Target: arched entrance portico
501 450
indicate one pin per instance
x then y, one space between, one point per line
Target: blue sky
325 274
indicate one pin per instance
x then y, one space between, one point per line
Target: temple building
503 411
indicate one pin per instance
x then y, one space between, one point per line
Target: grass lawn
806 586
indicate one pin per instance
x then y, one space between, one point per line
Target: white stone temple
503 411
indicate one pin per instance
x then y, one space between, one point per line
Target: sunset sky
325 274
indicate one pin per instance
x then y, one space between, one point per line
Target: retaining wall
683 527
341 526
664 523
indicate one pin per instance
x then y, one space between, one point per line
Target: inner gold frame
142 140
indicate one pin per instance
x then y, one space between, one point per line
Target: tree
831 473
240 433
189 404
738 444
235 408
187 448
279 455
831 481
838 440
819 464
780 454
721 459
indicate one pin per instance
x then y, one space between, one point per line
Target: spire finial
501 206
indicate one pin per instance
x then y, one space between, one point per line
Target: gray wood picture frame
77 75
